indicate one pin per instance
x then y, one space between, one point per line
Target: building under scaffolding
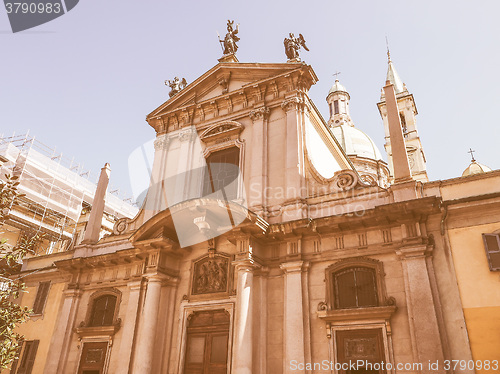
58 194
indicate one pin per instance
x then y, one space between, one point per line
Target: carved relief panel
211 276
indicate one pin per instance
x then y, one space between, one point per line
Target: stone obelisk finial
95 220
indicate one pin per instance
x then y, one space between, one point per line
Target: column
421 308
59 344
258 162
243 326
293 329
149 316
129 328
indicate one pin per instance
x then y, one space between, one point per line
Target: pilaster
129 328
294 108
294 338
59 345
421 305
258 162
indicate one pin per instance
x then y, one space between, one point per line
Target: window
492 246
222 173
336 106
103 311
403 122
355 287
41 297
27 359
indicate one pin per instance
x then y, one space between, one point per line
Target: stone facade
322 267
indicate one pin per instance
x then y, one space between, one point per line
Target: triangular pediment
226 78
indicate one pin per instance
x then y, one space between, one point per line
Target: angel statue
230 39
292 46
176 85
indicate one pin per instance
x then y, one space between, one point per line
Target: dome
475 168
337 87
356 142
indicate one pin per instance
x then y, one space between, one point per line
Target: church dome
475 168
337 87
356 142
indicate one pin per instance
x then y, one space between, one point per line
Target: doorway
207 342
361 345
93 358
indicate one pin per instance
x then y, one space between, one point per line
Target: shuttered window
355 287
28 357
41 297
103 311
492 246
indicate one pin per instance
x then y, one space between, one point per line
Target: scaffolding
55 189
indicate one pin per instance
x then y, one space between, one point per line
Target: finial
471 151
336 74
388 52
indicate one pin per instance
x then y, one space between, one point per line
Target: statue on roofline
292 46
175 85
230 39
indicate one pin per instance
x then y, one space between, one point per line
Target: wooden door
207 343
93 358
365 345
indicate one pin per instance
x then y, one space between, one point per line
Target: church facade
274 241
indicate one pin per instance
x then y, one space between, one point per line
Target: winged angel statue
175 85
229 42
292 46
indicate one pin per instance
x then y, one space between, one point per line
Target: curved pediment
222 129
194 221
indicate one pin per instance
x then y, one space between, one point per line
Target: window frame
486 248
26 361
208 170
368 263
39 303
91 303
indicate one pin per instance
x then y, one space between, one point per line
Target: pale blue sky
84 82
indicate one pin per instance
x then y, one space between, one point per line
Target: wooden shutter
41 297
16 361
492 246
28 358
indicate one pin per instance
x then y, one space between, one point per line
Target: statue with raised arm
230 39
175 85
292 46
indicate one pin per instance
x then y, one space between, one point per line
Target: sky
84 82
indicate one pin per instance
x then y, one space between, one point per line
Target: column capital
294 266
161 142
246 264
414 251
134 285
161 278
295 103
259 113
71 292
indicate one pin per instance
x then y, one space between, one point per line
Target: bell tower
407 114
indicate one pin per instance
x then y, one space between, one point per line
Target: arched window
103 311
356 283
355 287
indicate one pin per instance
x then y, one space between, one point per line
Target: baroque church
272 240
